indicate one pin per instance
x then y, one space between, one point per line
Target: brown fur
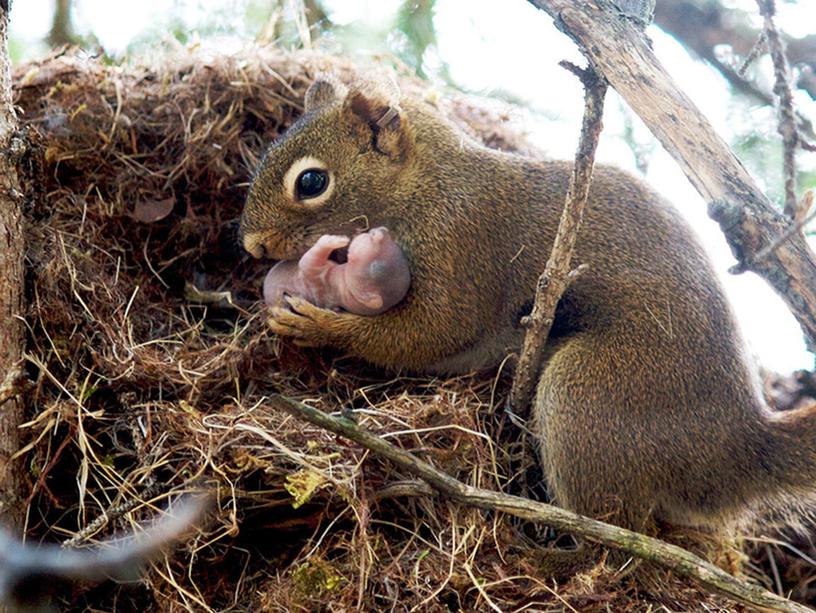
647 403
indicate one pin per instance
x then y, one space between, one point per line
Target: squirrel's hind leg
624 449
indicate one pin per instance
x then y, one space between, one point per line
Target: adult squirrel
647 404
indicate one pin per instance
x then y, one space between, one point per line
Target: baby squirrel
374 277
647 404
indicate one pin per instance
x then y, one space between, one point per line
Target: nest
151 364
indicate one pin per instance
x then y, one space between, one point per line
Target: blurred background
508 51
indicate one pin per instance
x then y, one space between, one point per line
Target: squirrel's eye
311 182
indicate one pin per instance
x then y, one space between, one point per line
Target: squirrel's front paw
307 324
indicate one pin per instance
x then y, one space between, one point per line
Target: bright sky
515 49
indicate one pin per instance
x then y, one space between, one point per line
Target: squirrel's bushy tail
790 445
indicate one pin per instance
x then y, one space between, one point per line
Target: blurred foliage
239 20
758 145
16 50
415 24
408 33
763 158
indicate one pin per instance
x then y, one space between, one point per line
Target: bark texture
11 286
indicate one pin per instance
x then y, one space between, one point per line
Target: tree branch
787 121
11 287
556 276
701 26
621 53
647 548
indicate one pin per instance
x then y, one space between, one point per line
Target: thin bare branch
802 217
758 49
555 278
787 121
654 550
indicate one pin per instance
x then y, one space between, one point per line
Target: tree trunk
11 288
62 30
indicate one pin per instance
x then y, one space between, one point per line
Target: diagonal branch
654 550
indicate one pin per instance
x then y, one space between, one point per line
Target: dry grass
149 382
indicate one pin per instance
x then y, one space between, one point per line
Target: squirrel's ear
385 119
324 90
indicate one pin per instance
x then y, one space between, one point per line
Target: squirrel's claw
307 324
281 328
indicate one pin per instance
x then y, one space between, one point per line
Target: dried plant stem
654 550
11 286
553 282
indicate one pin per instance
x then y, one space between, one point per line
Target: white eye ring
299 166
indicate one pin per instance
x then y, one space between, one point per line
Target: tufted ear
325 89
384 118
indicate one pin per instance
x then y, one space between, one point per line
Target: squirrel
647 406
374 277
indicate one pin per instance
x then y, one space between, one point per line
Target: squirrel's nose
254 244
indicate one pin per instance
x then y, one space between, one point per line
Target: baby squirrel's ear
325 89
379 110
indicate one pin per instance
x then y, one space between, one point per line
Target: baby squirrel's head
331 172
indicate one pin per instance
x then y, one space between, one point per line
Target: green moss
316 577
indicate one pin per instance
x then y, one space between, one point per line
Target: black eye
311 183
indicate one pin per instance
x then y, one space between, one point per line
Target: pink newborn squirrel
373 279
